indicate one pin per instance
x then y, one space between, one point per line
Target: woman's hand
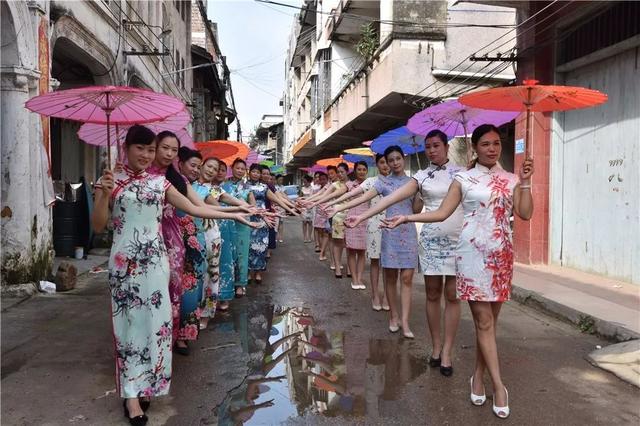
352 221
392 222
242 218
248 209
526 171
330 212
106 182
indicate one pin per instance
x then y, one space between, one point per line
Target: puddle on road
297 367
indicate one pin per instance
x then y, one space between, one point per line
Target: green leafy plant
369 42
586 324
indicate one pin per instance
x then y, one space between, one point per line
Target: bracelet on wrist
525 186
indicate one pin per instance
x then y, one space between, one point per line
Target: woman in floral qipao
484 255
437 246
260 236
132 200
374 233
195 243
399 248
237 187
213 237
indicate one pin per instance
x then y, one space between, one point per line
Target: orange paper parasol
226 151
326 162
533 98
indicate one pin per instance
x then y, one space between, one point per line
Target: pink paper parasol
255 157
106 105
96 134
313 169
456 119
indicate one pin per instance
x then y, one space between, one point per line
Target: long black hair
360 163
344 167
479 132
172 174
438 134
392 148
185 154
139 135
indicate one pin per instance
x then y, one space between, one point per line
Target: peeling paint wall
25 217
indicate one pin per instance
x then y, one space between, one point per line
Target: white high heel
477 400
504 410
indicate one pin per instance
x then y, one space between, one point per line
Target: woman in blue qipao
260 236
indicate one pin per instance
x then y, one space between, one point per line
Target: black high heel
140 420
434 362
144 404
446 371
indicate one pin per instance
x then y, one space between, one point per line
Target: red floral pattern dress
484 256
175 252
139 285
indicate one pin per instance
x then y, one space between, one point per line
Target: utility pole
223 96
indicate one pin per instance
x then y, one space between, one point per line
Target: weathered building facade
48 45
359 68
213 107
587 181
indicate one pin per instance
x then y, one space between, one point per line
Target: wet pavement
302 349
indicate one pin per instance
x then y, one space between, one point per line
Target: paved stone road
57 364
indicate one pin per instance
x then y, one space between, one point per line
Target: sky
254 38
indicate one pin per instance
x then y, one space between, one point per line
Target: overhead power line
454 70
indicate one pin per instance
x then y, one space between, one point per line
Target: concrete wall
26 218
595 177
86 33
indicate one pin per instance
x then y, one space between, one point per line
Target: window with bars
325 77
315 94
618 23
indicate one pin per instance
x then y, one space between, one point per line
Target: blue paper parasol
353 158
410 142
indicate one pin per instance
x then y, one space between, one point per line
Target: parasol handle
467 143
528 131
109 140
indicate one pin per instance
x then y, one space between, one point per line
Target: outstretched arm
446 209
179 201
275 199
332 193
347 196
369 195
232 201
405 191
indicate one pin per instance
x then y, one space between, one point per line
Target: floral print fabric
374 233
227 253
399 247
174 243
240 190
259 236
356 238
438 241
484 257
195 271
212 240
139 285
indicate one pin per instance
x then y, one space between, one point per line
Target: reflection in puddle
296 367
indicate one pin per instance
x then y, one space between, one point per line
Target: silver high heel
477 400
